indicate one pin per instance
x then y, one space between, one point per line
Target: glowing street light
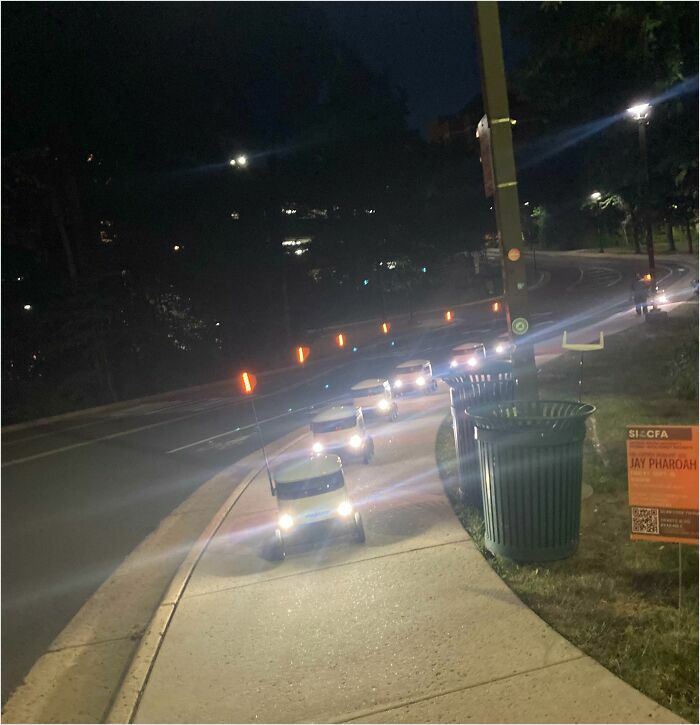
27 308
640 111
241 160
177 247
596 196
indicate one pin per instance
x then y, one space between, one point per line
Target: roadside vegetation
615 599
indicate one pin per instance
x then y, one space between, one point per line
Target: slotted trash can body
531 464
494 382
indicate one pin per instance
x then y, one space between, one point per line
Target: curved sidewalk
412 627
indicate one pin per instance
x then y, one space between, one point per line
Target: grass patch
615 599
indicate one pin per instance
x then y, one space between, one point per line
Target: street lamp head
640 111
242 160
232 162
596 196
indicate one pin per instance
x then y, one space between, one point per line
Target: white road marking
82 444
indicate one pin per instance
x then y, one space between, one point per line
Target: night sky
428 49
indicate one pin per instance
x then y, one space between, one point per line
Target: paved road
79 495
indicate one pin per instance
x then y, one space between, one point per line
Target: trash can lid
529 414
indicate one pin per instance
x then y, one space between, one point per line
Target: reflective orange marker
302 354
647 278
248 383
386 327
341 340
448 315
514 254
496 306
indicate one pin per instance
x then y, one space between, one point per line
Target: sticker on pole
520 325
514 254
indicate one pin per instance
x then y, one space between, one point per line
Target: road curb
128 695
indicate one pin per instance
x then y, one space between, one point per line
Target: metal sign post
582 347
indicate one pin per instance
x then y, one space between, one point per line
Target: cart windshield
328 426
365 392
310 487
410 369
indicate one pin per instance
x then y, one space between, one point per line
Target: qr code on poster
645 521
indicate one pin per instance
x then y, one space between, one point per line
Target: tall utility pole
499 172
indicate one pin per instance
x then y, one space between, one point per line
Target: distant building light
370 211
177 247
232 162
27 307
235 215
217 324
391 265
296 242
424 269
242 160
299 252
527 203
365 282
513 122
19 279
91 157
289 211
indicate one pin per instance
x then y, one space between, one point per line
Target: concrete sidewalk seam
442 693
125 702
344 564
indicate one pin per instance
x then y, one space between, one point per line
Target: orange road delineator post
340 339
386 327
248 383
449 316
302 353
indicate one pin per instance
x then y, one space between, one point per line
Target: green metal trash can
494 382
531 460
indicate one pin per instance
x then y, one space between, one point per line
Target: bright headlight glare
286 522
317 447
453 364
499 349
383 404
355 441
472 362
345 508
398 383
663 298
420 380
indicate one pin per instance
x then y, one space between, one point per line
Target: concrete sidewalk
414 626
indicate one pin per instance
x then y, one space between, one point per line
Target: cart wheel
369 451
278 552
359 533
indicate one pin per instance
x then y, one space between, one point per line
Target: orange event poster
662 475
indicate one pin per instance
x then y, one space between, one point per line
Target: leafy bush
684 365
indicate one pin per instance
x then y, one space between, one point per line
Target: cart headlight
383 404
420 380
499 349
317 447
662 298
345 508
355 441
398 383
453 364
472 362
286 522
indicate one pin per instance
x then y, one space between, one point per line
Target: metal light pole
500 178
596 197
641 113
